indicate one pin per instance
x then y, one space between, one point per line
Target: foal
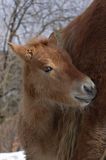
51 85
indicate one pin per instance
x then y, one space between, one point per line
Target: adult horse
85 40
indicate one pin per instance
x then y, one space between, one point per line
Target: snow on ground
13 156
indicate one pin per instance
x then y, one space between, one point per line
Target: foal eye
48 69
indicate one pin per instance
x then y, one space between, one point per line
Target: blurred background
21 20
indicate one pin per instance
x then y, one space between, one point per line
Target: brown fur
85 40
47 100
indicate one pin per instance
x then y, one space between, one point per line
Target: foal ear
58 36
21 50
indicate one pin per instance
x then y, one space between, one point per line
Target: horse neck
86 28
85 39
59 121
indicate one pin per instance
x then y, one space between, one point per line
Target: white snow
13 156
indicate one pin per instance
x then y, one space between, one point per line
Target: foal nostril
91 91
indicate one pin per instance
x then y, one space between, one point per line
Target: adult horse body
52 86
85 40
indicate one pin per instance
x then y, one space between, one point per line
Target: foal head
50 76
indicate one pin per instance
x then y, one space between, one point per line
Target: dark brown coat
85 40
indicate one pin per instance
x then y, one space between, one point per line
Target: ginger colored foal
51 87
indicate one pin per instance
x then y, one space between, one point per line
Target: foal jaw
85 92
